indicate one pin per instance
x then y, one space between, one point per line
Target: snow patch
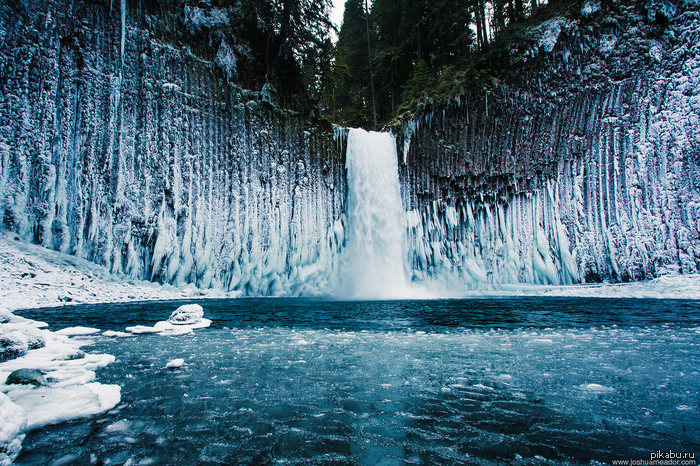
547 34
226 59
204 18
590 7
70 373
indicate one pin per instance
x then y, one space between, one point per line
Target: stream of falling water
375 259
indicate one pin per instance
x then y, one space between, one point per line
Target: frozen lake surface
520 380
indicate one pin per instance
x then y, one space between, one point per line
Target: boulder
186 315
26 377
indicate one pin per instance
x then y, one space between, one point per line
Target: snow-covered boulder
187 315
16 339
182 321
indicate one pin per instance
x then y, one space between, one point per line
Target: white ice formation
175 363
184 320
70 391
148 159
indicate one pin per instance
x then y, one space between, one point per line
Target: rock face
123 143
580 165
120 146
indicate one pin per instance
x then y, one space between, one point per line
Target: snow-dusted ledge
665 287
32 276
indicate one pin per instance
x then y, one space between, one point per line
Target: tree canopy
416 48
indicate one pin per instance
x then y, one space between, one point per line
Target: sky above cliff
337 14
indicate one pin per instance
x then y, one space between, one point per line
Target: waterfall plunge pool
518 380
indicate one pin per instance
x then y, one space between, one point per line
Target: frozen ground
32 276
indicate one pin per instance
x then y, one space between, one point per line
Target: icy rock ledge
185 319
46 379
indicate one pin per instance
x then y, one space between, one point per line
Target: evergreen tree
353 96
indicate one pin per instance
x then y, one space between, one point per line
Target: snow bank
67 389
13 421
33 276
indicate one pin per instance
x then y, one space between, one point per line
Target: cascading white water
375 259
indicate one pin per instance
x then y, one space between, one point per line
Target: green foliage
429 50
283 43
352 104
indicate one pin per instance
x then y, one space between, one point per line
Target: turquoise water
479 381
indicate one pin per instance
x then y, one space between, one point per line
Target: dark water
506 380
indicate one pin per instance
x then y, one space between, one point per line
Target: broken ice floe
175 363
182 321
46 379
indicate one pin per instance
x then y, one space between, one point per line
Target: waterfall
375 261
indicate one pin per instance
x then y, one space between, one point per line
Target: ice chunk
112 333
77 331
50 405
175 363
139 329
168 329
595 387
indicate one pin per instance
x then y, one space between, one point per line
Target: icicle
123 27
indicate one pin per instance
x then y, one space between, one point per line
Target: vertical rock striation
581 165
122 148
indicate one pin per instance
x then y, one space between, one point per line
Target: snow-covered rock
47 380
26 377
187 314
182 321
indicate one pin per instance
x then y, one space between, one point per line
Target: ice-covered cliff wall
118 146
582 164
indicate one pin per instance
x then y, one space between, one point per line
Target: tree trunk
477 22
482 7
371 72
498 15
